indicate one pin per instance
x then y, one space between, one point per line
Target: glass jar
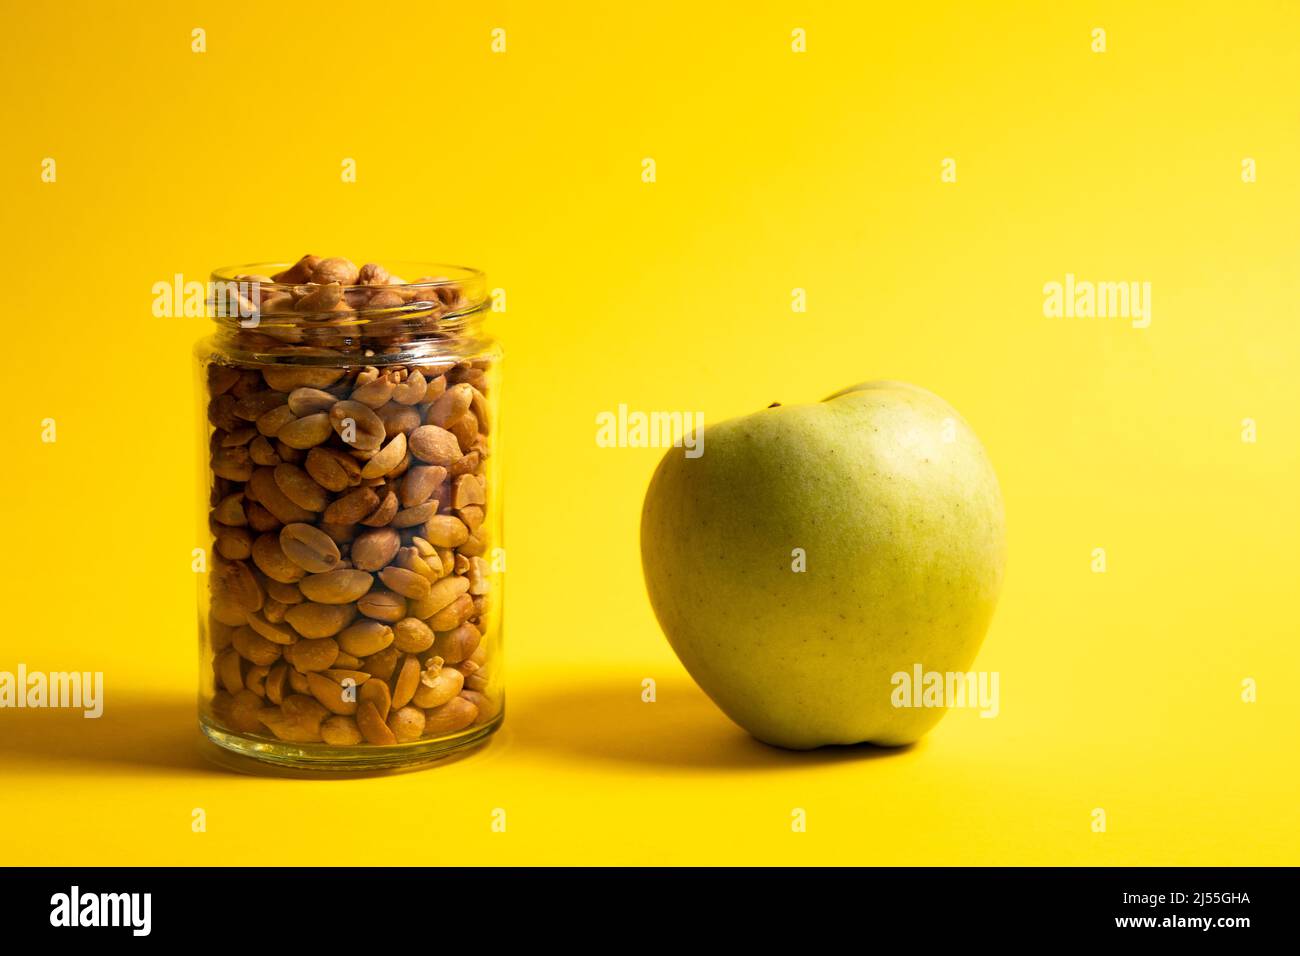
350 608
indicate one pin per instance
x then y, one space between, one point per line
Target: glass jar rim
443 295
294 321
432 275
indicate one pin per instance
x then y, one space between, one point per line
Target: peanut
472 517
441 593
230 511
404 582
418 484
306 432
232 464
295 722
413 390
340 731
457 644
263 489
234 544
270 424
315 621
352 507
466 490
245 711
342 586
309 547
372 273
372 727
253 647
357 425
310 401
297 681
453 615
274 684
316 654
365 638
434 445
486 708
446 531
332 695
319 297
457 714
412 636
451 406
282 592
383 514
234 580
398 418
375 393
374 549
406 723
253 405
477 573
335 269
377 695
230 671
382 605
438 684
332 469
417 515
263 452
382 664
300 488
407 681
299 272
387 458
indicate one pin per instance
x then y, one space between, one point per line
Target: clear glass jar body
350 613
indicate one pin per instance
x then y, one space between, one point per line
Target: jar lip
445 297
434 274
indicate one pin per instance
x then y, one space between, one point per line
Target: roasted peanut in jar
350 615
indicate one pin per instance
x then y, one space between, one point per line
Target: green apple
812 552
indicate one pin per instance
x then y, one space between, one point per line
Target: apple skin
905 546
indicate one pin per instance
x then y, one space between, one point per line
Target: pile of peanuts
349 585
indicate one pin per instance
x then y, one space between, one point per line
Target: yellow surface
775 170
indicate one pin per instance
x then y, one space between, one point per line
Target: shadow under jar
350 613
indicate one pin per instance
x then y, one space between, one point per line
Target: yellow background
775 170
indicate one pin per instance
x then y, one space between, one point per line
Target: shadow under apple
682 729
